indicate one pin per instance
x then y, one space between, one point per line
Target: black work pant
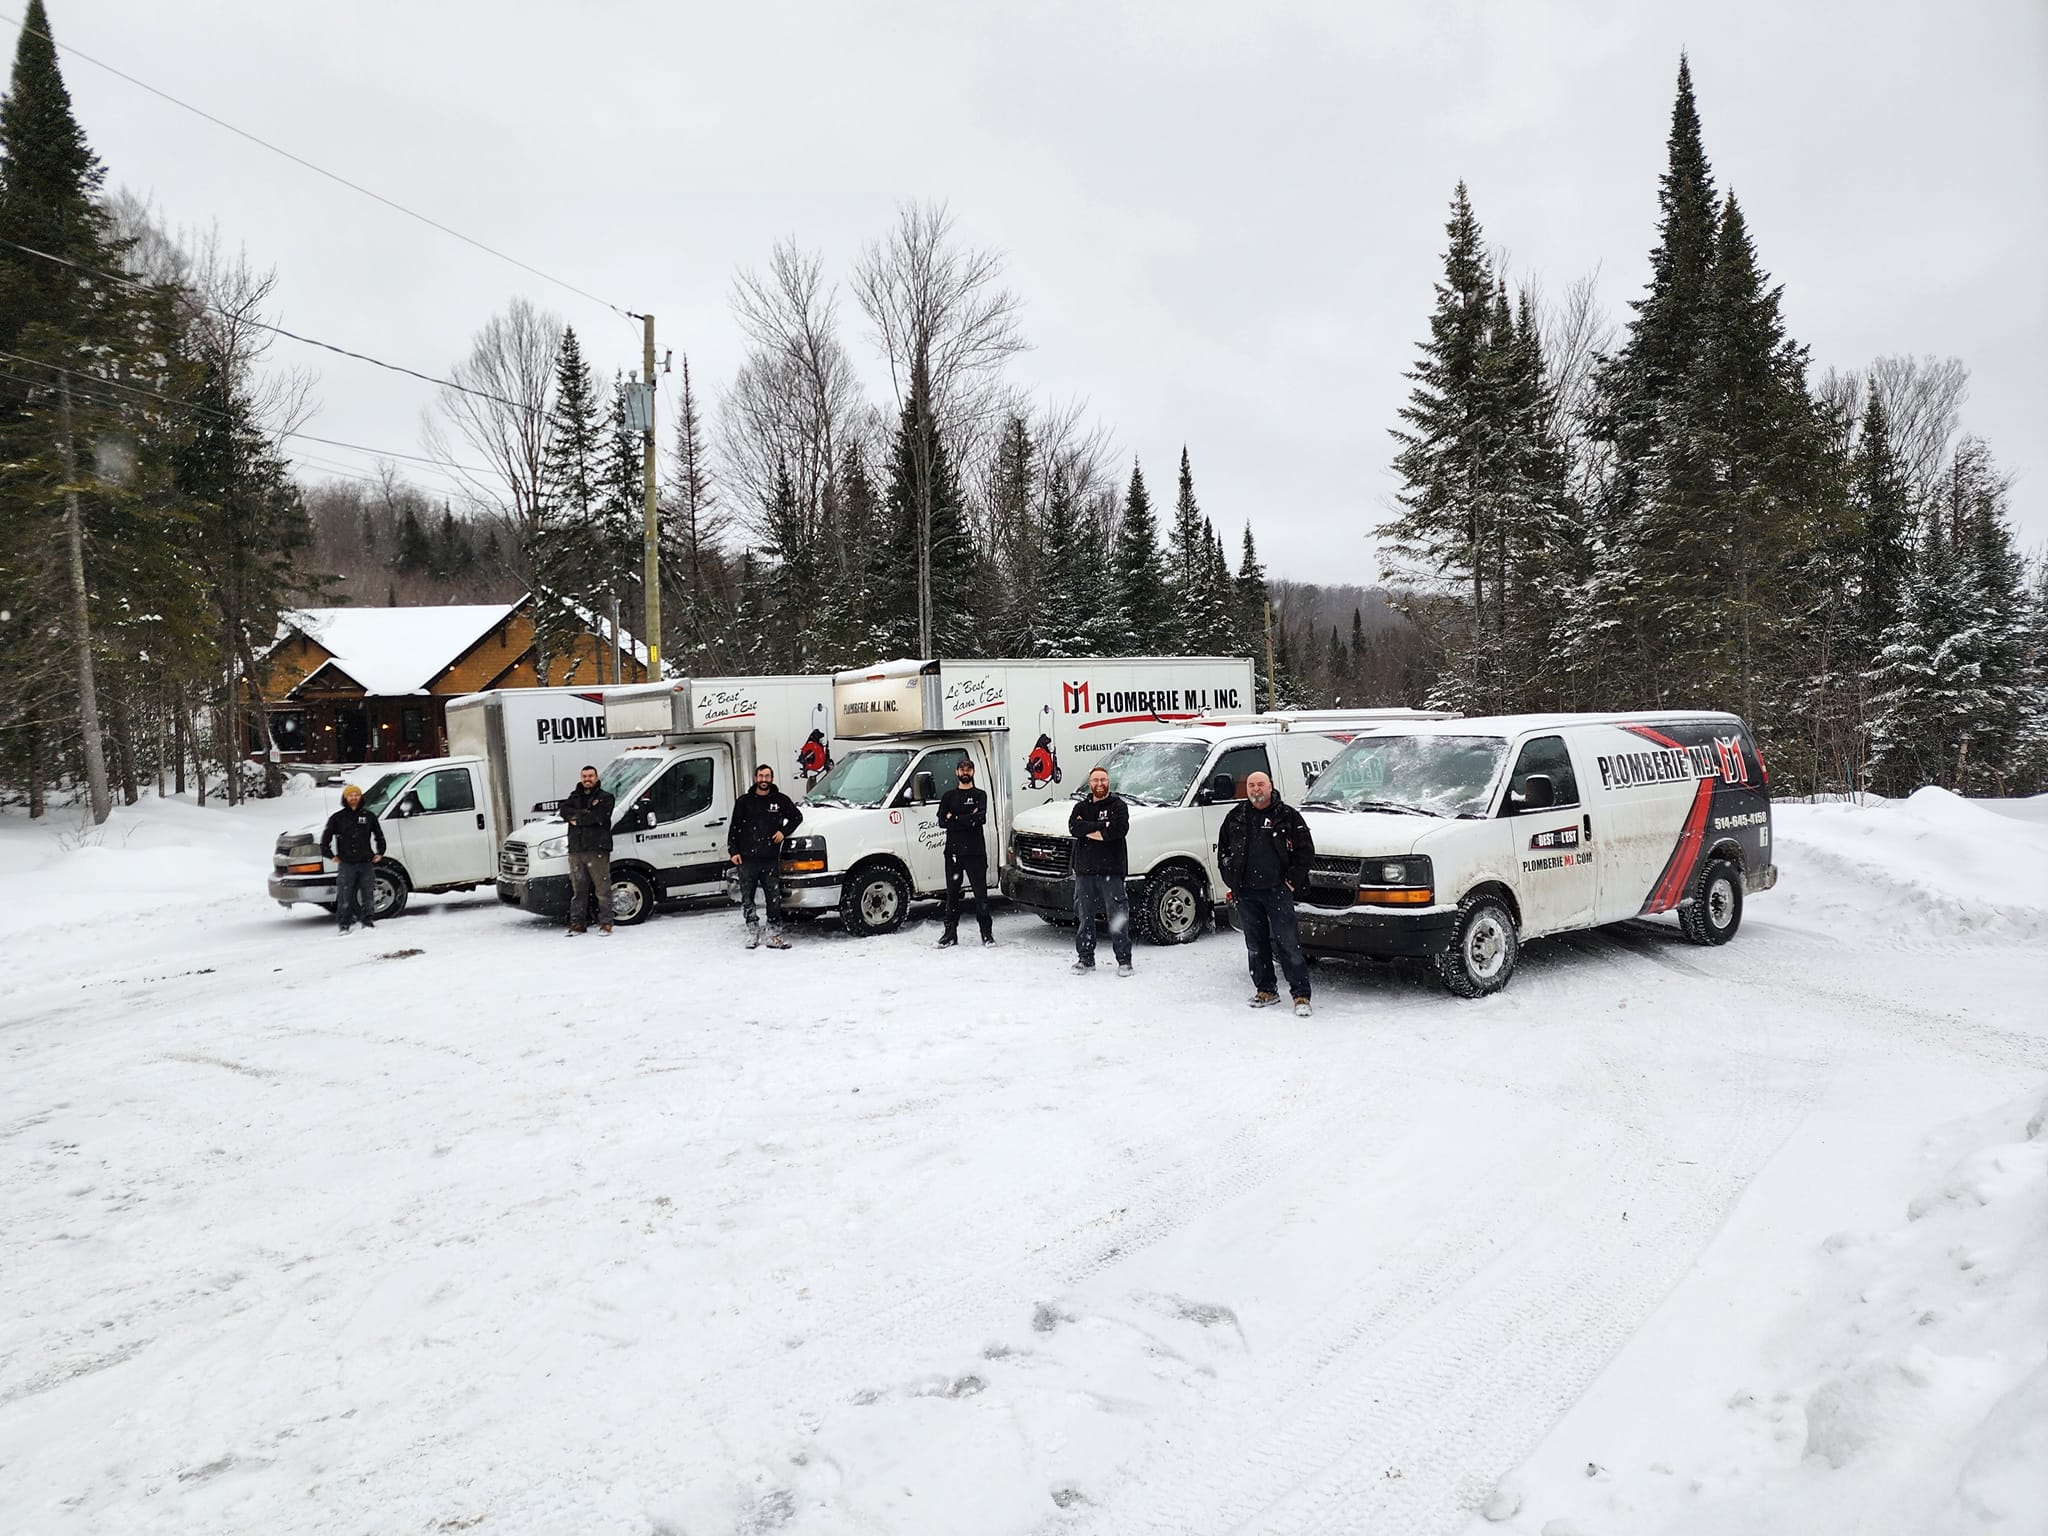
1269 924
355 893
1107 895
967 867
764 876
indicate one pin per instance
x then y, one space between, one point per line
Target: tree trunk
178 739
38 772
124 747
81 617
273 770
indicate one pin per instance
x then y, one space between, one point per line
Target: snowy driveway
651 1234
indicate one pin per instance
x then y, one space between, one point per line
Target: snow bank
1932 866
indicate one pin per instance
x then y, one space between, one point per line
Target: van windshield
622 775
1419 775
385 790
1155 772
861 778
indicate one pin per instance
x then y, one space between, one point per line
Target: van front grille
1044 855
1333 882
512 861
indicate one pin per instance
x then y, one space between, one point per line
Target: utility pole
651 576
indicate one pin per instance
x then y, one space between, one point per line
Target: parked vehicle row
1436 838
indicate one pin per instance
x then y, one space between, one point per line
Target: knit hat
350 789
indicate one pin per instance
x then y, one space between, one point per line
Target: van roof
1308 722
1514 725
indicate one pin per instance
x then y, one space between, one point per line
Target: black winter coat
352 836
964 813
756 820
1264 850
1112 818
589 814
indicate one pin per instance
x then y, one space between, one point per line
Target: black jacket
964 813
589 814
756 820
352 836
1264 850
1112 818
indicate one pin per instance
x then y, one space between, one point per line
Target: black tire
876 900
388 893
1713 910
632 897
1055 920
326 906
1172 911
1483 952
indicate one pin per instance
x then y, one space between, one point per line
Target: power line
193 405
319 170
264 325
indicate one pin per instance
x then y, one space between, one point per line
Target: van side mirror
1221 787
647 816
408 805
924 788
1538 793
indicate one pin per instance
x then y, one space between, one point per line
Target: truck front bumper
1376 934
285 890
806 893
1050 894
542 895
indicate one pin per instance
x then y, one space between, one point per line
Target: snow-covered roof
398 650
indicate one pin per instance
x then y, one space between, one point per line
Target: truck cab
870 843
1180 784
437 834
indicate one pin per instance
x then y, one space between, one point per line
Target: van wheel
1712 913
632 897
875 900
1482 956
1172 909
388 893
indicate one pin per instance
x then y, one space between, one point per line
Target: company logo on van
1720 758
715 706
570 728
1122 705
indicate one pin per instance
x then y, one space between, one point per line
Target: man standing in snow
588 810
963 812
760 822
1264 851
1099 825
354 839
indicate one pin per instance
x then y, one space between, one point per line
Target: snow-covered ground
462 1226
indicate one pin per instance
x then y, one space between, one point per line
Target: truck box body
513 753
871 844
699 741
1455 840
1172 780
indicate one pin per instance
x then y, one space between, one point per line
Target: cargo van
870 843
514 752
1456 840
1180 784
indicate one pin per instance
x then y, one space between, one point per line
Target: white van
1456 840
515 753
1180 785
870 843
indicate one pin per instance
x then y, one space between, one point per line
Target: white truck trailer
1180 784
870 843
673 795
514 754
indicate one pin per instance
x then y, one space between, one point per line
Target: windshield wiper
1389 805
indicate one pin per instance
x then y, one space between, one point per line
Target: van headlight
1409 882
803 856
554 847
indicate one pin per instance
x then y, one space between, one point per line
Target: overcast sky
1224 219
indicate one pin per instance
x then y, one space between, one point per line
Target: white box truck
673 796
1180 784
1455 840
870 843
514 753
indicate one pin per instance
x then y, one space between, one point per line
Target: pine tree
692 525
1014 568
1883 506
1144 614
1253 597
927 535
618 541
560 549
1063 609
415 551
1187 565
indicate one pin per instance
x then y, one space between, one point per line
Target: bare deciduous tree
946 326
1577 332
511 367
1923 400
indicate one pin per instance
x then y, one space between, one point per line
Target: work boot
1123 967
576 928
1265 999
1301 1008
1083 967
605 929
988 941
777 941
947 941
753 937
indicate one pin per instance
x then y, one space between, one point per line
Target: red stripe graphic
1089 725
998 704
744 715
1671 884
